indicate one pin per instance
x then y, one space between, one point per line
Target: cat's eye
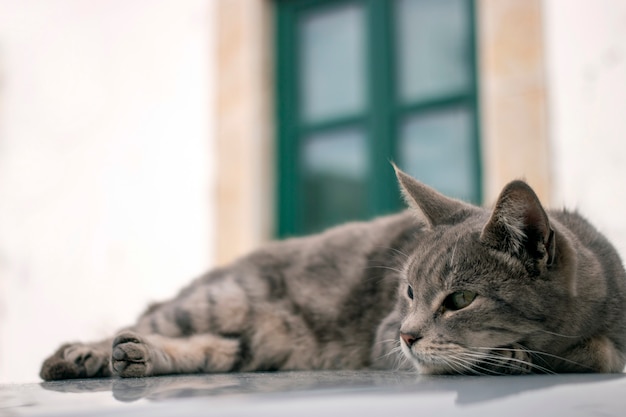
458 300
409 292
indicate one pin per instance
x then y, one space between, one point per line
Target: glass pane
334 178
332 62
437 148
433 48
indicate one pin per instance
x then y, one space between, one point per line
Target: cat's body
452 287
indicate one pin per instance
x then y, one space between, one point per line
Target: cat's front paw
131 356
76 360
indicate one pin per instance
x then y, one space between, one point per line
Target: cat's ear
433 206
519 225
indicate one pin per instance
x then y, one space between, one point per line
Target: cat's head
483 287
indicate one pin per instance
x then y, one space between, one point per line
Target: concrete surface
322 394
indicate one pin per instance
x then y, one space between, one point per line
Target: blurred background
145 141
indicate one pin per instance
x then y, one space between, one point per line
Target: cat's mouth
430 362
448 364
432 365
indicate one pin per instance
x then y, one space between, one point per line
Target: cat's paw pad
75 361
88 358
130 356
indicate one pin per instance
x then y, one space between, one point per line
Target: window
360 83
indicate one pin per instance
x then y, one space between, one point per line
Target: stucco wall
586 67
105 166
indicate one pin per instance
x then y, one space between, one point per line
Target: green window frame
383 118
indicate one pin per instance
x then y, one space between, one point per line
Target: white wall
105 166
586 57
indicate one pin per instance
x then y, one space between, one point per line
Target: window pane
437 148
332 62
334 173
433 48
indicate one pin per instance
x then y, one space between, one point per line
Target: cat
444 287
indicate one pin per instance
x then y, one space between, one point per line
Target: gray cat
445 287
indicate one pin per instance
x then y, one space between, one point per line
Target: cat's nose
410 338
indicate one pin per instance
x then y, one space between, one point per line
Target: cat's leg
78 360
197 331
597 354
273 339
136 355
132 354
213 325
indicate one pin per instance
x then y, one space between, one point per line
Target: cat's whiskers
453 365
480 362
396 250
402 361
470 365
529 352
512 363
394 340
464 361
453 358
396 353
501 364
474 361
558 334
498 366
535 353
390 268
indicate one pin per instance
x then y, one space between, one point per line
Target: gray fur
549 297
